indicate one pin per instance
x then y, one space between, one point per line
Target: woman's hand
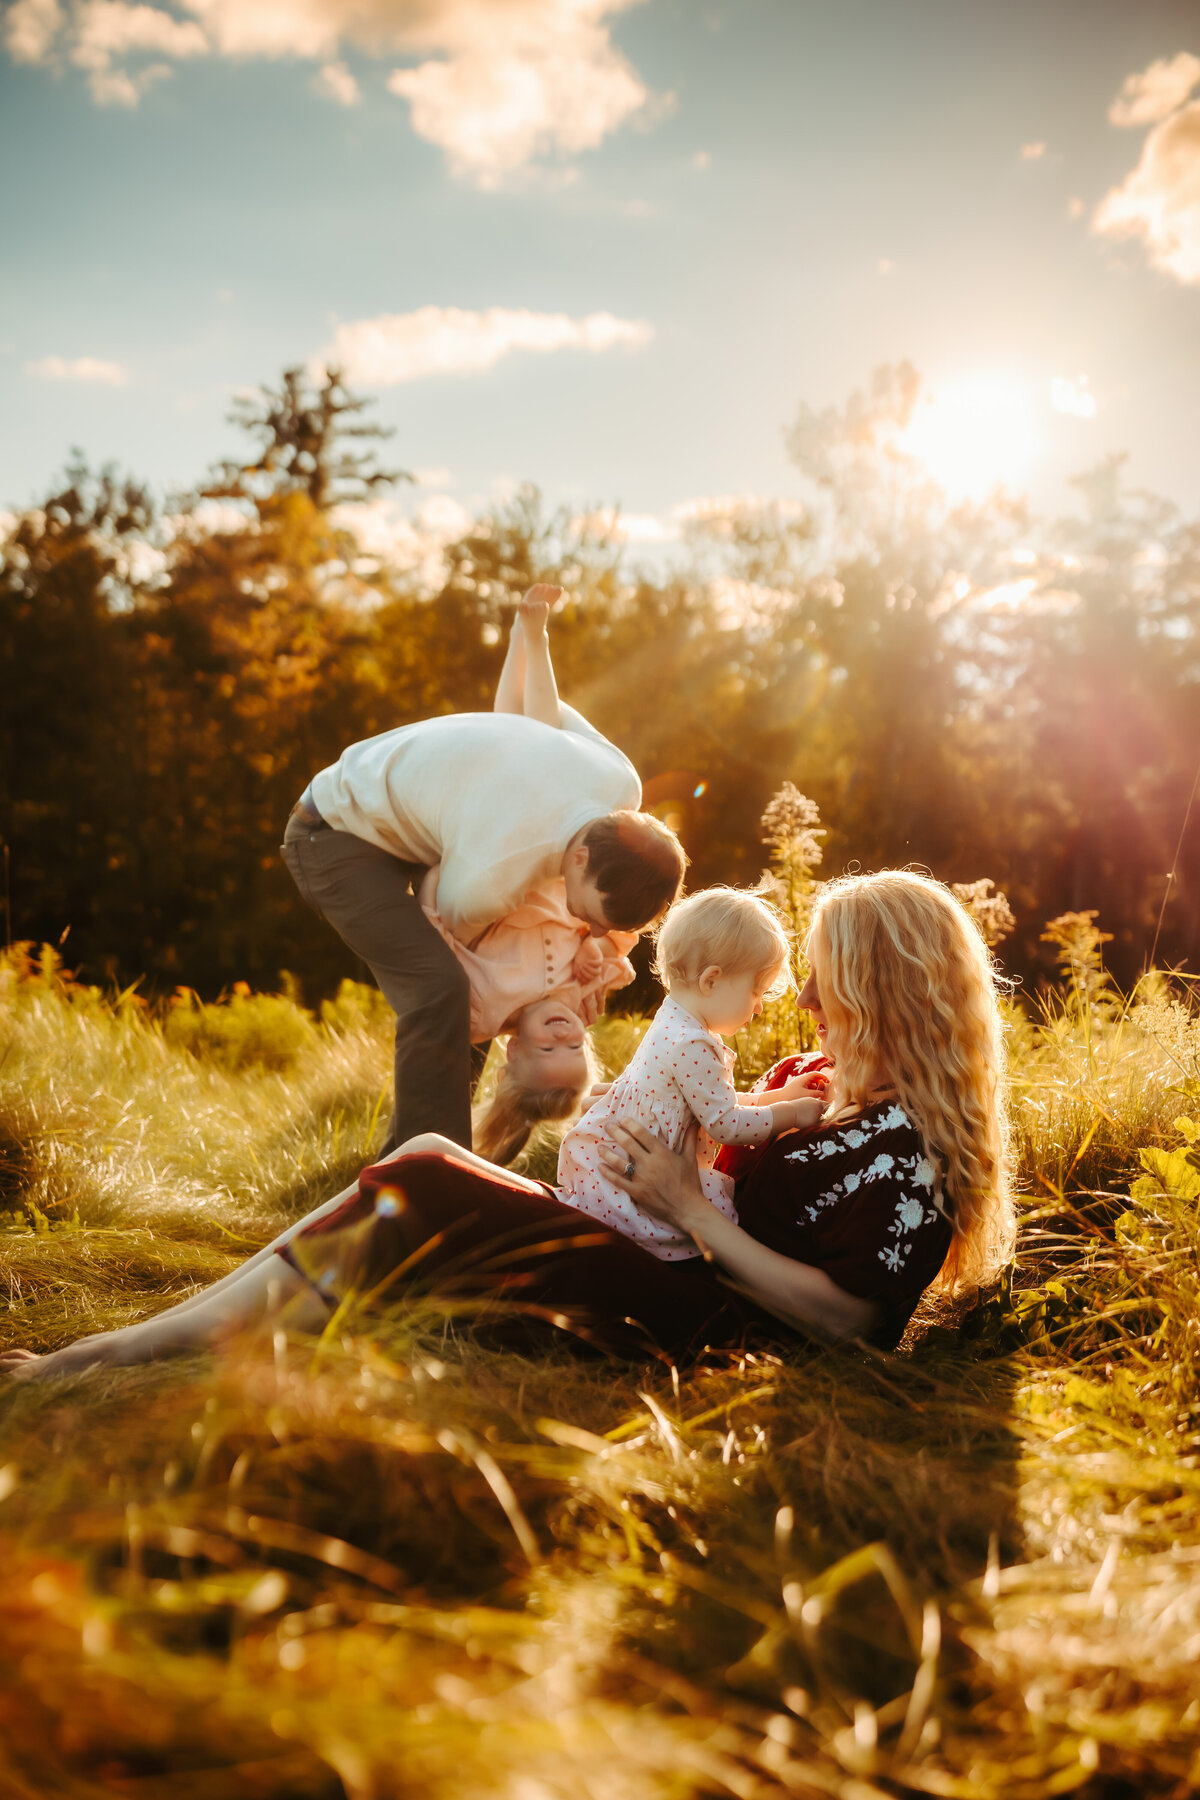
663 1184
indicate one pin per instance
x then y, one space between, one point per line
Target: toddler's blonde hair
732 929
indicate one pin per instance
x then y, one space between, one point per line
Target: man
502 801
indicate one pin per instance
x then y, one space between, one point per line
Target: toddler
720 953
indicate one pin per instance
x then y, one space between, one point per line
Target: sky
607 248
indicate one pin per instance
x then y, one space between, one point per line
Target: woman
840 1229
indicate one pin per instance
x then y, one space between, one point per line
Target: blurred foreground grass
405 1563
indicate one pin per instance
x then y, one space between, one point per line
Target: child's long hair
901 968
502 1126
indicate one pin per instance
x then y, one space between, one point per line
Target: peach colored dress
680 1072
537 950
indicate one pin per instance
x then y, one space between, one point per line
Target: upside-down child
539 976
721 952
538 980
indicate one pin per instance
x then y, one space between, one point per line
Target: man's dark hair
637 863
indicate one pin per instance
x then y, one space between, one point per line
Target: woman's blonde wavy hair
502 1125
905 976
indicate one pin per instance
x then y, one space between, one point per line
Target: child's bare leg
510 689
256 1292
541 690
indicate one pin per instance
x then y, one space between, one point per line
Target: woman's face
547 1046
809 998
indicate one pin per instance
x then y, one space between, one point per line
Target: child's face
547 1046
734 998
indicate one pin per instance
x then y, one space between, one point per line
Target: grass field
399 1562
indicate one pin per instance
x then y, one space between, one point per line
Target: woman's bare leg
235 1300
262 1256
252 1294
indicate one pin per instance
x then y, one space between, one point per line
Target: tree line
968 689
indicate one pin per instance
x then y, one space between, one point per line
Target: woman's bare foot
26 1365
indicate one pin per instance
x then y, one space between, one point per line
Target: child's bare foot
535 607
13 1362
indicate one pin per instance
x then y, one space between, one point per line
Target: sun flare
974 435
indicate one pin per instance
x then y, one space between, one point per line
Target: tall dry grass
397 1561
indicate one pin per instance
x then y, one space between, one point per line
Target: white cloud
213 518
1155 92
610 524
445 340
1074 398
106 33
79 368
388 535
493 83
720 515
526 79
30 28
1159 201
1033 152
337 83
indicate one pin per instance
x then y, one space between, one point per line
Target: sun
975 434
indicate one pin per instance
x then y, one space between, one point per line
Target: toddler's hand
798 1114
595 1093
534 609
803 1087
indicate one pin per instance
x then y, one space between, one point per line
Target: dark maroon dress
854 1199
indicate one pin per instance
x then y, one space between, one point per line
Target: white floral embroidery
911 1211
821 1201
893 1118
883 1165
855 1138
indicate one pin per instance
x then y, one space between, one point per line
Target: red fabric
738 1159
438 1222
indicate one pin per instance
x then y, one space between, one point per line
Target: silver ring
630 1171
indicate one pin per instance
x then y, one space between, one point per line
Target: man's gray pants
367 896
